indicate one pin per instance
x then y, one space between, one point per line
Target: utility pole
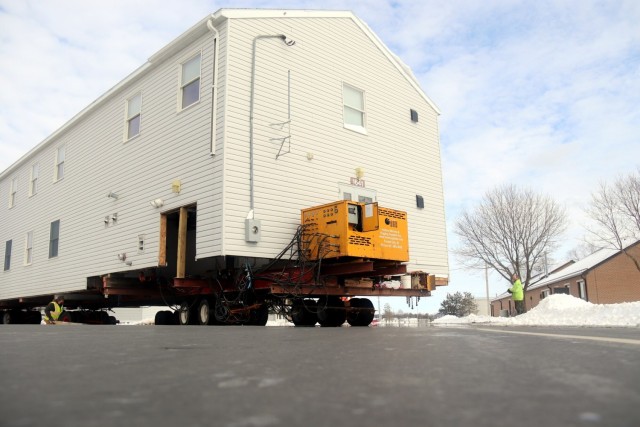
486 283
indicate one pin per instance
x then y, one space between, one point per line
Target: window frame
129 118
60 164
13 191
183 85
33 179
8 246
362 110
54 242
582 290
28 248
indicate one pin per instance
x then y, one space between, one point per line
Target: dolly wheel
303 312
331 311
362 312
186 315
204 312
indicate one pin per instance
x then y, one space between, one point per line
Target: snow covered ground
555 310
561 310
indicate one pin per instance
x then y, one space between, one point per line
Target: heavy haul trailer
341 252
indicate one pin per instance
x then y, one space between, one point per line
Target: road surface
81 375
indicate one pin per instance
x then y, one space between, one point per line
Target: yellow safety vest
57 310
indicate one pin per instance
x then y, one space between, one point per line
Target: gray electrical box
252 229
352 214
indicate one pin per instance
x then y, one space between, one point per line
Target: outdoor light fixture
157 203
112 195
287 40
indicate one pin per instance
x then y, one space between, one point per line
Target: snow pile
561 310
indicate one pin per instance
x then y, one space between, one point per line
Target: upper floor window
7 255
190 82
54 237
60 154
134 107
28 248
33 184
354 115
13 192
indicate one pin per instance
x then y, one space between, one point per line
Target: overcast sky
543 94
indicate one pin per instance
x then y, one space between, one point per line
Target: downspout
288 42
214 86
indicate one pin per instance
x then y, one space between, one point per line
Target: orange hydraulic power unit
354 229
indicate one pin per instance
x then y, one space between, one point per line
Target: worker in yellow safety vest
517 293
53 310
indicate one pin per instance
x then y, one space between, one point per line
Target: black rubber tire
204 312
353 313
165 317
7 317
159 319
303 312
187 314
33 317
363 314
66 316
331 312
259 316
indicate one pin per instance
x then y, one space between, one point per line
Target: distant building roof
573 269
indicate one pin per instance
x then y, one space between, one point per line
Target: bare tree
615 210
583 250
510 231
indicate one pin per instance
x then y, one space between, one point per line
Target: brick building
607 276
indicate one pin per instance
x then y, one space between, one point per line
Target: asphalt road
238 376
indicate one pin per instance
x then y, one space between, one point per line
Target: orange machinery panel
353 229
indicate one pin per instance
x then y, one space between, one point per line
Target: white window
54 238
59 172
355 193
13 192
134 107
353 100
33 184
28 248
7 255
190 82
582 290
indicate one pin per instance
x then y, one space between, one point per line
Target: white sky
541 94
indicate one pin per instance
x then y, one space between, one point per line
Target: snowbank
561 310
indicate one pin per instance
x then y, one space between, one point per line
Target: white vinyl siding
28 248
60 158
319 67
134 109
170 146
33 183
190 82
